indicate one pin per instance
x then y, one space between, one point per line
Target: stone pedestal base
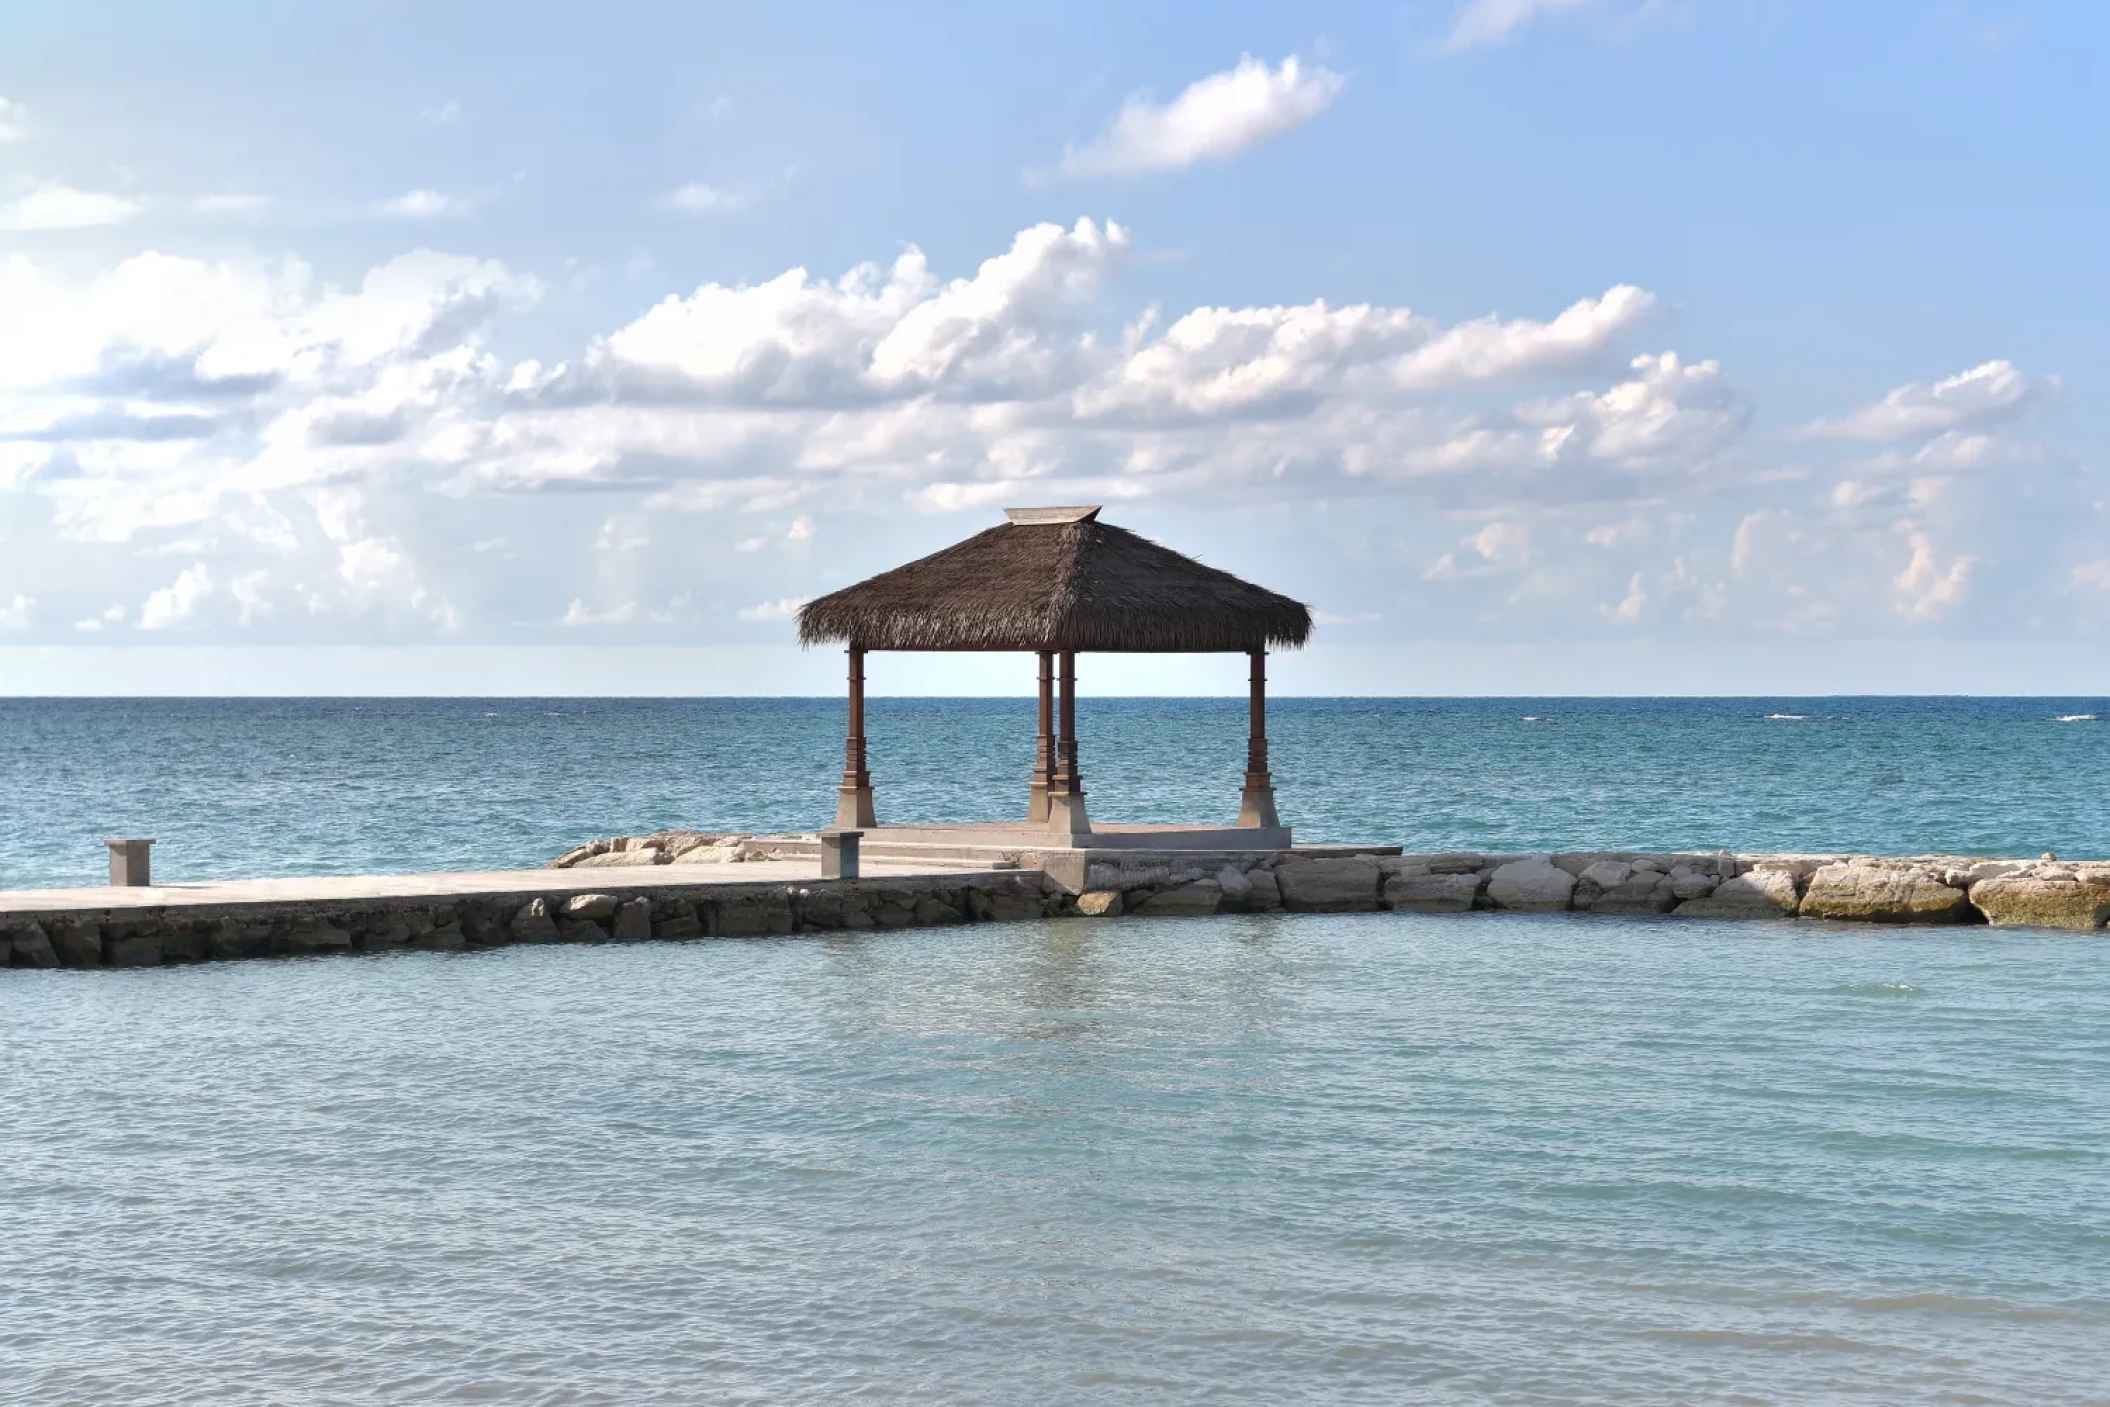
853 809
1066 814
1256 806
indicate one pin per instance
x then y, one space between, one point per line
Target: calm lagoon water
1350 1159
334 786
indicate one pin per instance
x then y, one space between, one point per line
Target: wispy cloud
697 198
443 115
13 124
784 609
230 204
60 207
581 614
1214 119
1484 22
423 205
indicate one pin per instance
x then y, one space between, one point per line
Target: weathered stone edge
125 937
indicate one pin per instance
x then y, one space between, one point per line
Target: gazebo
1057 582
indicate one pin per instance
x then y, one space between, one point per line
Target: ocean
1268 1159
1382 1158
262 787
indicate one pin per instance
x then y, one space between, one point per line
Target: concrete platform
471 884
1017 835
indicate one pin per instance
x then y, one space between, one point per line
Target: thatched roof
1056 579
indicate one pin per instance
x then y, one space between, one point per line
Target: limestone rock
1267 891
1534 885
1754 894
1690 884
678 924
1606 874
446 939
182 939
77 944
1642 892
589 906
315 939
1338 884
1005 904
2041 902
747 915
133 950
1872 893
1203 896
1237 889
931 910
33 947
580 930
1432 893
385 933
1458 862
1393 867
231 938
533 923
633 921
623 859
1099 903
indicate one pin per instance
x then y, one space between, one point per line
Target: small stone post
130 867
839 854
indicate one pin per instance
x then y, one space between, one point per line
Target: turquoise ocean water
1350 1159
1271 1159
332 786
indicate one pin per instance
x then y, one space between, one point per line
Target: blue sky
1542 345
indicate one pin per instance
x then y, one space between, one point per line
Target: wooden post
853 800
1066 786
1256 807
1044 743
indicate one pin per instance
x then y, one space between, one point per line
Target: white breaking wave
2075 718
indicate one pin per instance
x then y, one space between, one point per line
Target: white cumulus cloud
1214 118
1987 395
342 461
178 601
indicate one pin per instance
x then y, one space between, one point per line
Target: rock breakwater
665 905
2045 893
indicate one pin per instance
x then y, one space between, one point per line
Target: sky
1542 346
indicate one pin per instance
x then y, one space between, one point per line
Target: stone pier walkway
339 889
